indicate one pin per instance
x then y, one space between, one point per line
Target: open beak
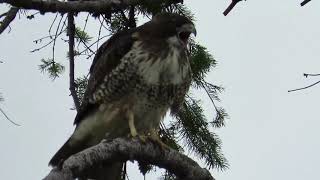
185 31
188 28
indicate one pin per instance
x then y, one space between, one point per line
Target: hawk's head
170 25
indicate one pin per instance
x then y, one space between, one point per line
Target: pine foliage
54 69
81 35
197 136
201 63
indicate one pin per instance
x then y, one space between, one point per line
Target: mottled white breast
162 70
110 119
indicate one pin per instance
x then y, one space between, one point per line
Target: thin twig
32 15
94 43
304 2
86 22
38 49
55 38
54 20
87 47
52 37
105 19
45 37
11 14
212 101
231 6
84 27
298 89
108 21
72 88
99 31
83 41
7 117
306 75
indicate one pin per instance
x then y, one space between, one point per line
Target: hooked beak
185 31
188 28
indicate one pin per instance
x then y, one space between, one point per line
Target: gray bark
95 6
123 149
10 15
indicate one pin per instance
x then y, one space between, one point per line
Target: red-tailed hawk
136 77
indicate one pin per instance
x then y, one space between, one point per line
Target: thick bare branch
304 2
231 6
10 15
123 149
3 14
72 88
95 6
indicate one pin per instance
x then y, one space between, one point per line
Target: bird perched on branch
135 78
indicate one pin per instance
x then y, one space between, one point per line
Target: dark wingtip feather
61 155
65 152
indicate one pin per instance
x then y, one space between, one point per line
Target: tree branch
304 2
95 6
123 149
72 86
10 15
3 14
307 75
132 20
7 117
231 6
305 87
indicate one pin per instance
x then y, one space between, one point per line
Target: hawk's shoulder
107 58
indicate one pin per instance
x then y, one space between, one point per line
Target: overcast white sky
262 48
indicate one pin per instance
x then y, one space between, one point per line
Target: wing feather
108 57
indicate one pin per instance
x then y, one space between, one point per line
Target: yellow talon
154 136
142 138
130 116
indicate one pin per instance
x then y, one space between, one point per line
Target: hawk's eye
184 36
